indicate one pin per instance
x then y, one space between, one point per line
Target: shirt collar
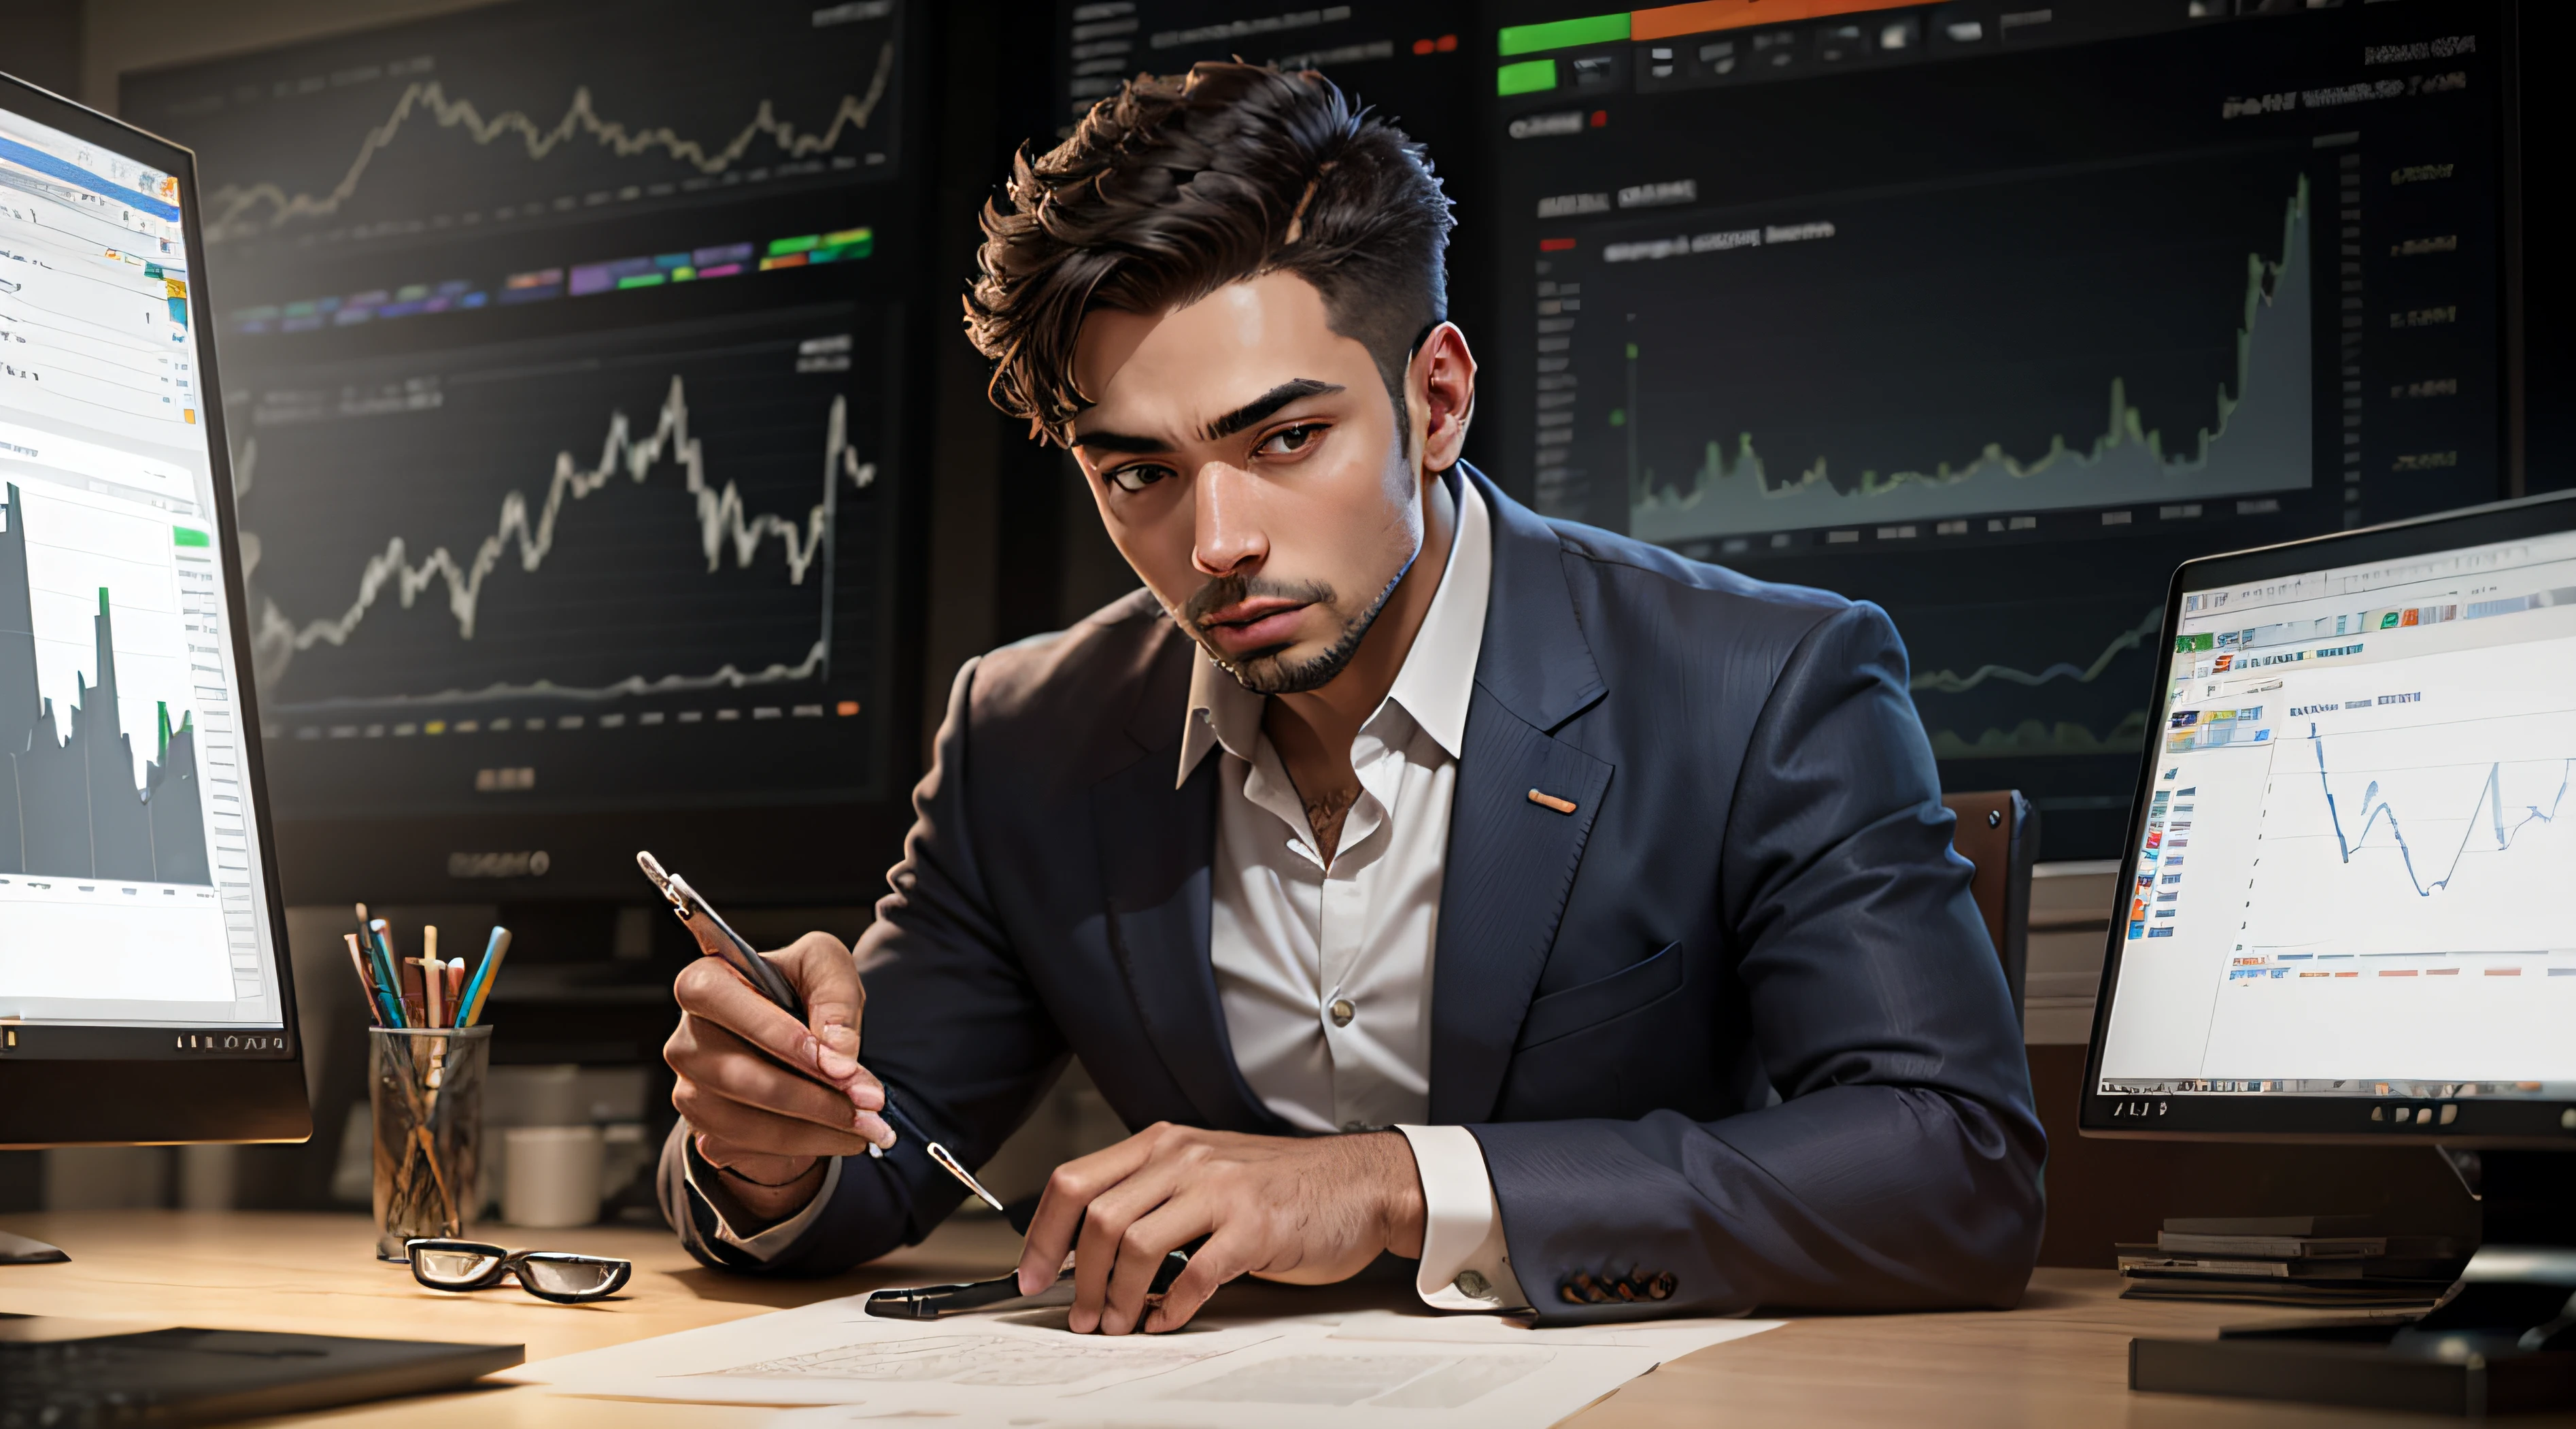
1434 685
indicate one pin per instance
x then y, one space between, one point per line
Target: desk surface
2059 1359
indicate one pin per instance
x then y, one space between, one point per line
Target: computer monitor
143 988
577 403
2341 911
1994 312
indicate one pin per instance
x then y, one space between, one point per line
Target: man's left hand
1305 1210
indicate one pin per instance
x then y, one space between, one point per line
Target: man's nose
1229 538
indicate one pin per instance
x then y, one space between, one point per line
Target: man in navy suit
1420 876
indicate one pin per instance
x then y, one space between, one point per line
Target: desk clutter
2291 1260
426 1058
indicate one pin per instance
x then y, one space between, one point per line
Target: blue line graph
2490 801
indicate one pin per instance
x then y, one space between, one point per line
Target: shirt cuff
1466 1265
768 1244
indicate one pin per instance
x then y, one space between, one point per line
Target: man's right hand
766 1095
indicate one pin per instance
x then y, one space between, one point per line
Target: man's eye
1288 440
1137 478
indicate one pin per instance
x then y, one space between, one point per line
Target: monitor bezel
2272 1116
217 1096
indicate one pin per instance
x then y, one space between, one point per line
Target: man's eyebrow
1265 404
1119 442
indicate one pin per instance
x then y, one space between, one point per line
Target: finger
1106 1227
827 978
758 1127
1166 1228
1062 1204
1225 1256
708 989
722 1063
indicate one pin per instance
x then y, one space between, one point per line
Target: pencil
415 1003
454 974
380 962
379 973
433 986
366 984
433 976
481 991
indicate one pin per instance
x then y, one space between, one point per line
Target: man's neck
1312 730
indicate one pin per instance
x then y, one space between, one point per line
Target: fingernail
873 1127
813 1053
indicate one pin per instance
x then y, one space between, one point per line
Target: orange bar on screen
1667 21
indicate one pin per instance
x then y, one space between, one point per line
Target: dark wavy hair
1178 185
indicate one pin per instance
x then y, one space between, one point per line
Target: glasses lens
572 1276
453 1266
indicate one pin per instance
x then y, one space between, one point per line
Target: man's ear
1440 385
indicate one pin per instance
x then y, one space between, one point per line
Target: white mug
553 1176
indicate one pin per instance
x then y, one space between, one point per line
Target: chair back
1998 832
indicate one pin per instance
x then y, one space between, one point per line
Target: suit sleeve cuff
762 1245
1466 1265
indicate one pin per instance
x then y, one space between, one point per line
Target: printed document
1363 1365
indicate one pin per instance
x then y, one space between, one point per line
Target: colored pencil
481 989
366 982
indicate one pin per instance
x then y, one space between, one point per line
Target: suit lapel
1156 845
1511 861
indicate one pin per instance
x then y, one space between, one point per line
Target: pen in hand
716 938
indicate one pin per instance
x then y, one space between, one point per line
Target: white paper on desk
1670 1338
1024 1369
1294 1380
835 1353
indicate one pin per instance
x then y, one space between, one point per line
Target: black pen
717 939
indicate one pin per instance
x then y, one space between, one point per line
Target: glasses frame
508 1262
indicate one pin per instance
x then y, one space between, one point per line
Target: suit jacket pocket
1588 1005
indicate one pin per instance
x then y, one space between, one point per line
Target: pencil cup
425 1086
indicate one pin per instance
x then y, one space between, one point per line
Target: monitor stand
19 1250
2502 1341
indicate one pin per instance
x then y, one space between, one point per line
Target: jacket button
1343 1012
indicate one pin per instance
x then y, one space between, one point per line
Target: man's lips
1256 624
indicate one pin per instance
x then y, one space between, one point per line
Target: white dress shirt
1324 971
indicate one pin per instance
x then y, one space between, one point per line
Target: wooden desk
2060 1359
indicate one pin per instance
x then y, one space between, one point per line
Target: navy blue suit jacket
1735 1020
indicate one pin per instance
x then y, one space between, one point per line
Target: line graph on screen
2487 826
241 209
2257 439
725 523
2421 839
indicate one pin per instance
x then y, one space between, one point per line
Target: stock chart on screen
563 347
2363 796
1993 315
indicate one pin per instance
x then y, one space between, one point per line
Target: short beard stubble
1269 673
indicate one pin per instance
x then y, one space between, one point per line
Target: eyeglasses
548 1275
